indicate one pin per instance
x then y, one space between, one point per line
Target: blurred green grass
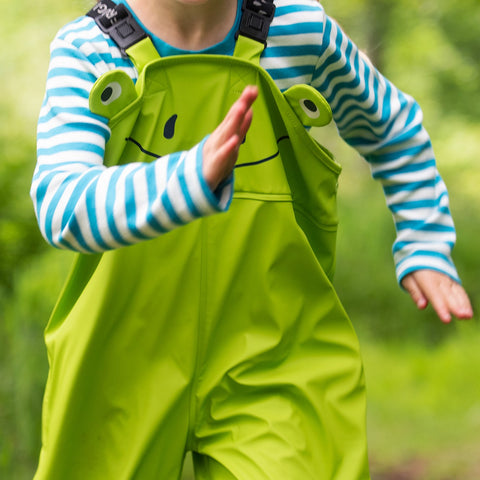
424 405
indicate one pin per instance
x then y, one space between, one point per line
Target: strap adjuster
257 15
117 22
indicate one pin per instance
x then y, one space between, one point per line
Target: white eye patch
309 107
110 93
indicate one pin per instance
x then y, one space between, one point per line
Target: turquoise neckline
225 47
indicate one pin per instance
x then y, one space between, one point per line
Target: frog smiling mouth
247 164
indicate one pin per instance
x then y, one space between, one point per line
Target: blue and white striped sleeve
385 126
81 204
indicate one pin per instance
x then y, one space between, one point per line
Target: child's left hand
446 296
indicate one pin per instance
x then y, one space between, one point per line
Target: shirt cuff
205 200
426 260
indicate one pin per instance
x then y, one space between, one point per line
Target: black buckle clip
119 23
257 15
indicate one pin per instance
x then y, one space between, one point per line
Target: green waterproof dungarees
224 337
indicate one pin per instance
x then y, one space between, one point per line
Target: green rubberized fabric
224 337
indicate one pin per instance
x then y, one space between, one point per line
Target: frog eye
309 105
110 93
309 108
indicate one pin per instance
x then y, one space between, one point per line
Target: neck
187 24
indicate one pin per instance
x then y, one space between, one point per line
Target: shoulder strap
117 21
257 15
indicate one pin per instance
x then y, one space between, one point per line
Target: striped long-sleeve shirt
85 206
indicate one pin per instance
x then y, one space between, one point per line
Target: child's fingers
446 296
412 287
248 96
441 306
221 148
226 154
452 297
420 286
247 121
234 121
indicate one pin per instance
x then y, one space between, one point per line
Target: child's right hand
220 152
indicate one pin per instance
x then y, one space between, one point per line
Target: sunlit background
422 376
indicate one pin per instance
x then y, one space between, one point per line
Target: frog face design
172 115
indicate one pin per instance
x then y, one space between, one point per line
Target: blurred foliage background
422 376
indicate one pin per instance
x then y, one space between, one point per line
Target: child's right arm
80 203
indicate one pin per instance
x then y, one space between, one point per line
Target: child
221 336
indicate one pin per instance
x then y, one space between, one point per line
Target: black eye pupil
106 94
310 105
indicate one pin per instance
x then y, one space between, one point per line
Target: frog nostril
169 129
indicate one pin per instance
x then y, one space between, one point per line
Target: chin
193 2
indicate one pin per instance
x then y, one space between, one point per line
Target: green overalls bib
223 337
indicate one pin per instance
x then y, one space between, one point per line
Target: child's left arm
385 125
